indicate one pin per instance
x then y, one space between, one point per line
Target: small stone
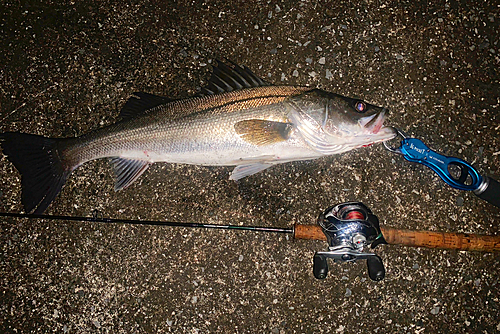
377 49
309 60
295 73
194 300
484 45
328 74
240 258
322 60
312 74
273 51
435 310
169 322
460 201
348 292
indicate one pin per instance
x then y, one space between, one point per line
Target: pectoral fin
262 132
127 171
246 170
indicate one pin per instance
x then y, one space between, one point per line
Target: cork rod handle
428 239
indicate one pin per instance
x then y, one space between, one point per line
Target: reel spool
349 228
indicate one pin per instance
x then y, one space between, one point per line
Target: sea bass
237 120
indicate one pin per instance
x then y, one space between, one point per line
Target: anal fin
242 171
127 171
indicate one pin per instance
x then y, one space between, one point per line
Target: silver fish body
246 123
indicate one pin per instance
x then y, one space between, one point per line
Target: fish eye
361 106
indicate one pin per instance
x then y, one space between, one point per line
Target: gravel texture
68 67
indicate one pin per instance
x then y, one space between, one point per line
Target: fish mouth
373 126
374 123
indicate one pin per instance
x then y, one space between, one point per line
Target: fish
237 119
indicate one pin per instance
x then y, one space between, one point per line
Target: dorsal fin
141 102
227 78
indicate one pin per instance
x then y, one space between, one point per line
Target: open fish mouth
372 124
374 130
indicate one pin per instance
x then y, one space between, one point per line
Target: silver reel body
349 229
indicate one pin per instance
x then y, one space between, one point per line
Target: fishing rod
348 228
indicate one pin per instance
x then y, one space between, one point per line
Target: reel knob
376 269
320 268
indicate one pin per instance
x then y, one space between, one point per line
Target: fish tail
38 160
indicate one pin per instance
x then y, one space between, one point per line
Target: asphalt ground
67 67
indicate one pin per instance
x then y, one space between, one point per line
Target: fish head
337 123
355 121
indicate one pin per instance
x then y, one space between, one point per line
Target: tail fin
37 159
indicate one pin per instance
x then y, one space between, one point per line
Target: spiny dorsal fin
228 78
127 171
262 132
141 102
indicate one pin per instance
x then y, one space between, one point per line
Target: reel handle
428 239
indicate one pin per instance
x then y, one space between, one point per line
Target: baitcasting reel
349 227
